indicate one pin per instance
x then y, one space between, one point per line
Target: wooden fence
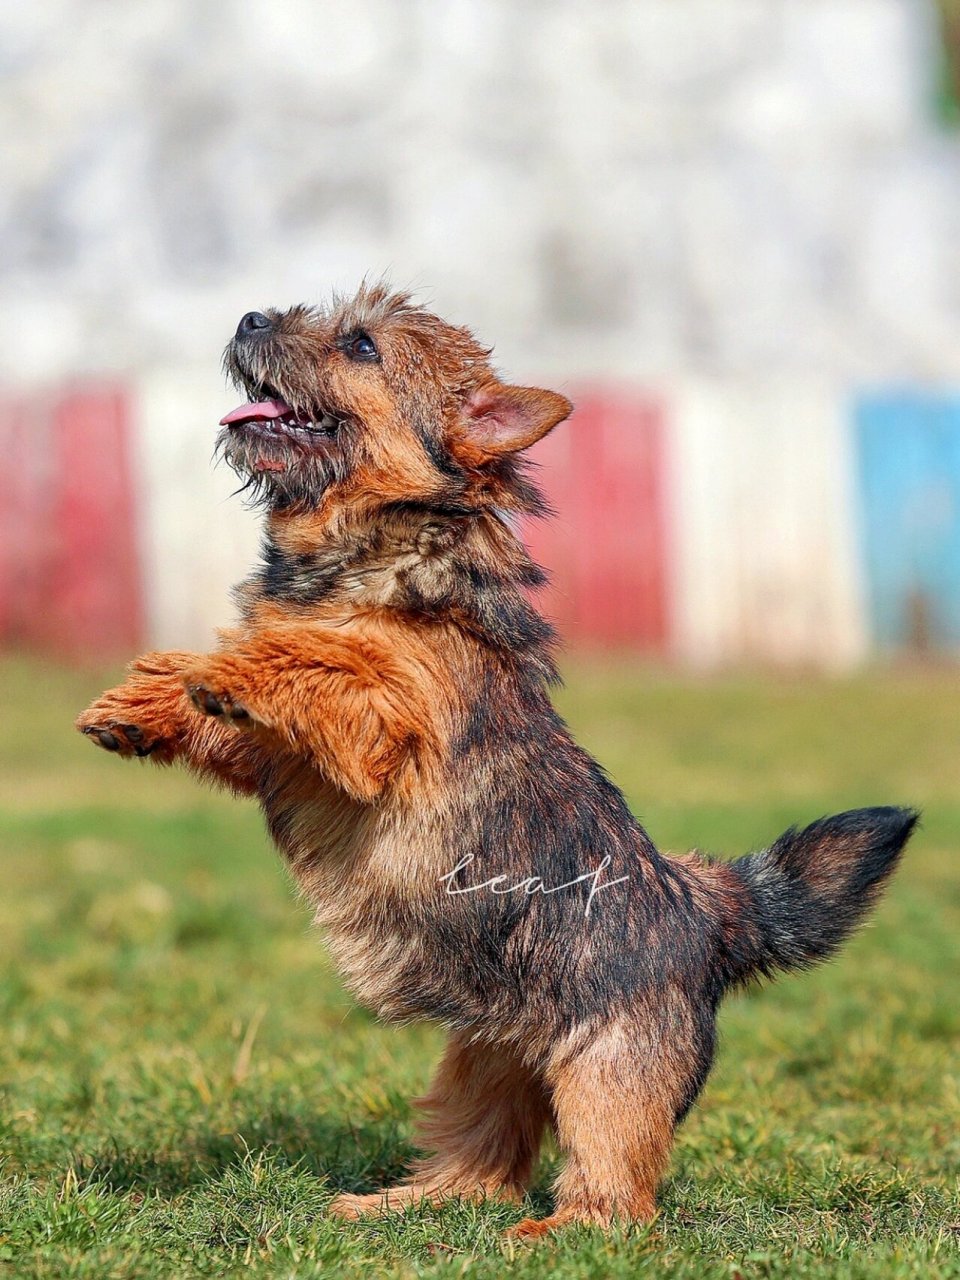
708 523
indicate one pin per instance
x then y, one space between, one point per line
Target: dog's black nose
253 322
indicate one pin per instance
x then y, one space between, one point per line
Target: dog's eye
360 346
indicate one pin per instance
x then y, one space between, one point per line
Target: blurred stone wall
631 188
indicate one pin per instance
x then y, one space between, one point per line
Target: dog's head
377 400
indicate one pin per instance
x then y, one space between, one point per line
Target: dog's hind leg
615 1107
485 1116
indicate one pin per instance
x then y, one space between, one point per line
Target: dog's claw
205 700
217 704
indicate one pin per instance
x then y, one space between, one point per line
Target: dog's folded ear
498 419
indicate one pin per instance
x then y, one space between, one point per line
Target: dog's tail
796 902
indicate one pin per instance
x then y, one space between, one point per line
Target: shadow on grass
345 1156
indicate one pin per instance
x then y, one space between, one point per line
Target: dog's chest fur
368 871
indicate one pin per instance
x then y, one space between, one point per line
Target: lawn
184 1083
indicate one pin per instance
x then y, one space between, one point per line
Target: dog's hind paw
389 1200
352 1207
531 1229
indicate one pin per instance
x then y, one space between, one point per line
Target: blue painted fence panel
908 465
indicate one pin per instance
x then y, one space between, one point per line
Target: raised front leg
151 715
485 1116
354 708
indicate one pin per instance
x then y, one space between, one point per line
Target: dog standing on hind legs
385 695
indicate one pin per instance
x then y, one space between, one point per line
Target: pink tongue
264 410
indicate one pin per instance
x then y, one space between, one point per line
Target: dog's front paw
211 700
117 735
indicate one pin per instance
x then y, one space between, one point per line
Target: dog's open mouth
276 417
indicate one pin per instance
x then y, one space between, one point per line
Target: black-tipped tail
805 894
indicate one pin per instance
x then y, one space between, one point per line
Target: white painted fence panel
764 542
197 539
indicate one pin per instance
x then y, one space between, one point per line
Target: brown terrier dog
385 695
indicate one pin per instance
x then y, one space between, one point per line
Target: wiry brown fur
385 694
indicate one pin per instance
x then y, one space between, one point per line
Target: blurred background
730 231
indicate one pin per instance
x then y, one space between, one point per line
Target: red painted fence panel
605 546
70 574
70 579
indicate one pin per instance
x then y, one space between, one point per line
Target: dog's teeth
327 424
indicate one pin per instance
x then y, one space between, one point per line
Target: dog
386 695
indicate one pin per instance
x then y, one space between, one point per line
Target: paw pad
127 739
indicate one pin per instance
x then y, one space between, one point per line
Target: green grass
948 83
184 1083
